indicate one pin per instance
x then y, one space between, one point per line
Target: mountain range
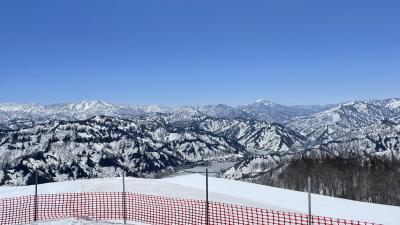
97 139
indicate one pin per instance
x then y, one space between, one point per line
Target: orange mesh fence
148 209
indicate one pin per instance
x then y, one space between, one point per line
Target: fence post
124 195
207 197
36 198
309 202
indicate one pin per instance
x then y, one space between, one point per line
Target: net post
36 197
207 219
309 201
124 195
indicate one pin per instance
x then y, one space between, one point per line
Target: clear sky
199 52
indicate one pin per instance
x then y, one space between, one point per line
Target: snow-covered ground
215 169
80 222
229 191
294 201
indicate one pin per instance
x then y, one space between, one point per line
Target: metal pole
124 195
309 202
36 199
207 196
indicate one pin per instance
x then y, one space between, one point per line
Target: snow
361 107
222 190
393 104
137 185
214 168
264 103
81 222
295 201
87 105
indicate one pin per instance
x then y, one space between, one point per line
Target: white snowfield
80 222
222 190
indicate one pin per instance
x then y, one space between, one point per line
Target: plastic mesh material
148 209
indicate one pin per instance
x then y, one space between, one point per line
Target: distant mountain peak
87 105
350 103
265 102
394 103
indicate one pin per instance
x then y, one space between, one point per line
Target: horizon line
190 105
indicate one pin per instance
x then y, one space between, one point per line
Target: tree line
371 179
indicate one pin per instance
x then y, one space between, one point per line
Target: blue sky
199 52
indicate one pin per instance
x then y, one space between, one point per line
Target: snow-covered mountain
14 116
361 129
345 118
95 138
380 140
144 146
269 111
217 111
258 137
350 115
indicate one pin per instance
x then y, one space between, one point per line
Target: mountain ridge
260 136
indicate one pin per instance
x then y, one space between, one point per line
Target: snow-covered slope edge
295 201
221 190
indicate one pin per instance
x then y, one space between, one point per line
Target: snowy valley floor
221 190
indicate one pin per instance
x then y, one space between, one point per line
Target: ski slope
222 190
